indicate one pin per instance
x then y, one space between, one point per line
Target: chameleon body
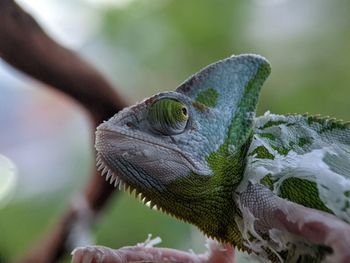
200 154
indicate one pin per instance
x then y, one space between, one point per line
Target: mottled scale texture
225 83
304 159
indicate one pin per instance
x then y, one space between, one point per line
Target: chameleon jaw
119 183
108 173
131 153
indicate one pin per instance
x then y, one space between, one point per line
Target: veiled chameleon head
184 150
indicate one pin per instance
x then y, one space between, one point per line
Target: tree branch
25 46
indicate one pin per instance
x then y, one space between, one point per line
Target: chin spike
100 167
104 171
98 161
116 182
112 179
153 206
145 200
126 187
109 175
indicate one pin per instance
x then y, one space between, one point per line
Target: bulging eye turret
168 116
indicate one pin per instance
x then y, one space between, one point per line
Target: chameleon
275 186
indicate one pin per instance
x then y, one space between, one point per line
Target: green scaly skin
200 155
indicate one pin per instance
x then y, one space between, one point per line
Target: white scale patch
308 162
332 186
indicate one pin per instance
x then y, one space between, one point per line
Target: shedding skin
313 225
277 214
145 252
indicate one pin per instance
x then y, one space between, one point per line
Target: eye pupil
184 111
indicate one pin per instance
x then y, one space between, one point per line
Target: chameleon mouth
135 163
119 183
135 146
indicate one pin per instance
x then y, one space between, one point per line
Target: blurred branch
25 46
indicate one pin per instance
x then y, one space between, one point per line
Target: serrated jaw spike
137 193
126 187
132 191
104 171
112 179
100 167
116 182
98 161
109 175
145 200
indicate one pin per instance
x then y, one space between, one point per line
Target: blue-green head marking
184 150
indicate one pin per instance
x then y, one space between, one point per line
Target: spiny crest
328 121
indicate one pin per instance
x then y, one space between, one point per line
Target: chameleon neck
209 202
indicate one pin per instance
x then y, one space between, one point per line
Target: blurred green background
147 46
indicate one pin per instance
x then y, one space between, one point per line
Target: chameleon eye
184 111
168 116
